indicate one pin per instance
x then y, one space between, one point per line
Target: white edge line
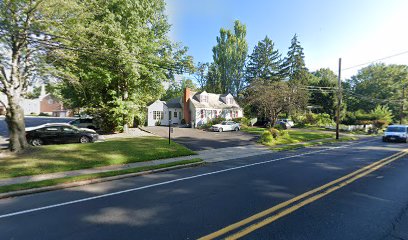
170 181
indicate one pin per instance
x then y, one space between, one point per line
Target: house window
157 115
202 113
175 114
204 98
230 101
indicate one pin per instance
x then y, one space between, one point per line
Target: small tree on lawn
273 98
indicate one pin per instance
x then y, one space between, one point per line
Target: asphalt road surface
282 195
197 140
31 122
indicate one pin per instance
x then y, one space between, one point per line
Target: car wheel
84 139
220 130
36 142
236 129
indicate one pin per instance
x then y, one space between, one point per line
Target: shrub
266 137
216 120
274 132
44 114
243 120
380 124
280 126
323 119
310 119
283 133
183 121
243 126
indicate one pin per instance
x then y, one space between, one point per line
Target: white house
158 112
196 108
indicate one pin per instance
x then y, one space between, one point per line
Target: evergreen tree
264 62
293 67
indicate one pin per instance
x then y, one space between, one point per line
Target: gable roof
174 103
214 101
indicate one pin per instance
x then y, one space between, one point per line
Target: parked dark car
59 133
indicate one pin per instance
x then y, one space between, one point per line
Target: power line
380 59
347 92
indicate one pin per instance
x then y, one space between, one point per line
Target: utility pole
338 101
169 125
402 104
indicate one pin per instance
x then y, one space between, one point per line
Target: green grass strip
53 182
309 144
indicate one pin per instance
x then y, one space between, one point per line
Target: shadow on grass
57 158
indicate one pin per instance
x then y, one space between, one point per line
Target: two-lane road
347 191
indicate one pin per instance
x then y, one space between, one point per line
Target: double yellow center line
270 215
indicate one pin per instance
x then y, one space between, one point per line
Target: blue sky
358 31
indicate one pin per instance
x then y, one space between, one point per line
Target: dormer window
230 101
204 97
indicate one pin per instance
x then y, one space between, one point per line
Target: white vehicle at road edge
226 126
397 133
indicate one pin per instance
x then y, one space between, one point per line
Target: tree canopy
226 73
264 62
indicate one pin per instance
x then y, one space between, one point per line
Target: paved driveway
198 140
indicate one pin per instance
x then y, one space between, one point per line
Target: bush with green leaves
243 120
266 137
275 132
323 119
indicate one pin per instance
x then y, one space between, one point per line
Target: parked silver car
85 123
226 126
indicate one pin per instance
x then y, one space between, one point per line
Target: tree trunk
16 125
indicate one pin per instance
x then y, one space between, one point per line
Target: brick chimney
186 105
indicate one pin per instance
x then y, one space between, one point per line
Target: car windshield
224 123
395 129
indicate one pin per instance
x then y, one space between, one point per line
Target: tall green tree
122 51
270 99
324 95
229 57
264 62
200 74
293 66
377 84
23 46
176 88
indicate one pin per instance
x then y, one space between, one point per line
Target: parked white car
226 126
287 122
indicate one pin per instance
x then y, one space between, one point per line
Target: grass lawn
309 144
294 136
67 157
52 182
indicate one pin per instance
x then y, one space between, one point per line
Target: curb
93 181
144 130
